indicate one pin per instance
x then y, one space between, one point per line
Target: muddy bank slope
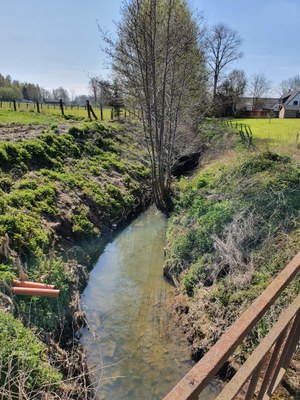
56 190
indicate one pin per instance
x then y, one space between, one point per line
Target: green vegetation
27 117
48 114
23 359
273 134
74 186
53 178
37 175
222 238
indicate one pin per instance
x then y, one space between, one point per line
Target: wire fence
95 112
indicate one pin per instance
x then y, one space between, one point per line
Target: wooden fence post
92 112
15 105
88 109
61 107
101 112
37 107
111 115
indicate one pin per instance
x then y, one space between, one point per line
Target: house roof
289 96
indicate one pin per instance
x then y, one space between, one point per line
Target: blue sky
56 43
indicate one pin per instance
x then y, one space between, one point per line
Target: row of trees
12 89
101 92
15 90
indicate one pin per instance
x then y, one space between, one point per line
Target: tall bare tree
260 87
60 93
158 61
222 48
289 85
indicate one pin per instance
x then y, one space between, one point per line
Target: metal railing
264 369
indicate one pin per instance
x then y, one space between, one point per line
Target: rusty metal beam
255 360
202 373
272 363
287 352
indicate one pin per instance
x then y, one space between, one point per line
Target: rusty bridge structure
264 369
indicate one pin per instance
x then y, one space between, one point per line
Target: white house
290 105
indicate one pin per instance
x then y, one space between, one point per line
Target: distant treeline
102 93
13 89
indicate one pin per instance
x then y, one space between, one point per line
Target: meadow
27 113
273 134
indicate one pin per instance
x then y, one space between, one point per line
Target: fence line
244 131
76 110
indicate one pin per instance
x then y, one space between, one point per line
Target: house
290 105
257 107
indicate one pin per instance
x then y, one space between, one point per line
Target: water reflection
133 346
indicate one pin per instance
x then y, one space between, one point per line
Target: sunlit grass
27 113
274 134
27 117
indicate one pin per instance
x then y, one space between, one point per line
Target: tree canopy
222 47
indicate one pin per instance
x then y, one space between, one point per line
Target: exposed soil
15 132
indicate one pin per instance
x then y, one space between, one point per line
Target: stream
134 350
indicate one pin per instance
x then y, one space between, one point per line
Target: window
295 102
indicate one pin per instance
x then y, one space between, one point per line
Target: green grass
10 117
23 357
274 134
49 113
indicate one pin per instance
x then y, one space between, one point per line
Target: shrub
23 358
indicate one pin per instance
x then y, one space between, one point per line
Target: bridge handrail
269 360
193 383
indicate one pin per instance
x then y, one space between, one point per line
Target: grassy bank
234 227
57 189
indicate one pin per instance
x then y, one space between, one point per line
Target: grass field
275 134
26 113
27 117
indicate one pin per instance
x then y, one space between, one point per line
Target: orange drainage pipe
28 291
32 284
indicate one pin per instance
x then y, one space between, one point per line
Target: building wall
296 98
284 113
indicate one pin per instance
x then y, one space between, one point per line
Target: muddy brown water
134 350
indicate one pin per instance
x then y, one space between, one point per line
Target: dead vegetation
233 249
